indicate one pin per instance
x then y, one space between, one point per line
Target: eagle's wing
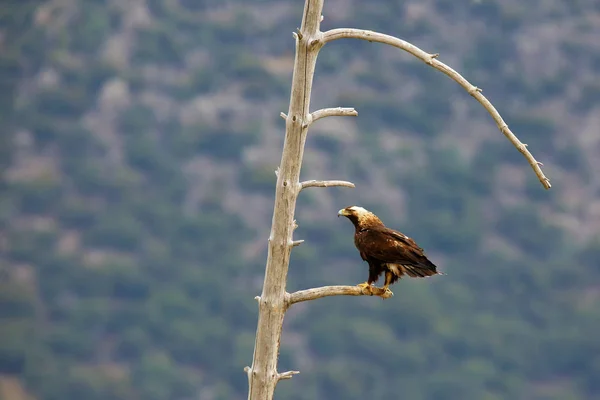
388 245
392 247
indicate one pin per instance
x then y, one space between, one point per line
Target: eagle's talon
367 286
387 293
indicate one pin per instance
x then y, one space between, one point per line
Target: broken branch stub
314 183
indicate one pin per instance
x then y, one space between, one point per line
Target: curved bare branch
431 59
333 112
326 291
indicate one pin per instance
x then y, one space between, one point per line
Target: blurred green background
138 146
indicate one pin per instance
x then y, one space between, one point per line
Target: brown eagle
386 250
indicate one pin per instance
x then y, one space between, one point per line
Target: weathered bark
263 375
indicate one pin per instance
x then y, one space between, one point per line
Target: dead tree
274 300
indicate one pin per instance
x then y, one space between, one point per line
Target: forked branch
286 375
431 59
326 291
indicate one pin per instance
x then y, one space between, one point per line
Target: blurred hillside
138 146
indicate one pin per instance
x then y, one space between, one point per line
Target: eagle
386 250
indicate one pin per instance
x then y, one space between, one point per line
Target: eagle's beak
342 212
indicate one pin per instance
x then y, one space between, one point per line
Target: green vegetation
131 221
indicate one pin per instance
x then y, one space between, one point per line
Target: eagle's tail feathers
420 270
415 271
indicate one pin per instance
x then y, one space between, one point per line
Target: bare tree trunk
274 300
263 375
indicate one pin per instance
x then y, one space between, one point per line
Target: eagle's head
360 216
